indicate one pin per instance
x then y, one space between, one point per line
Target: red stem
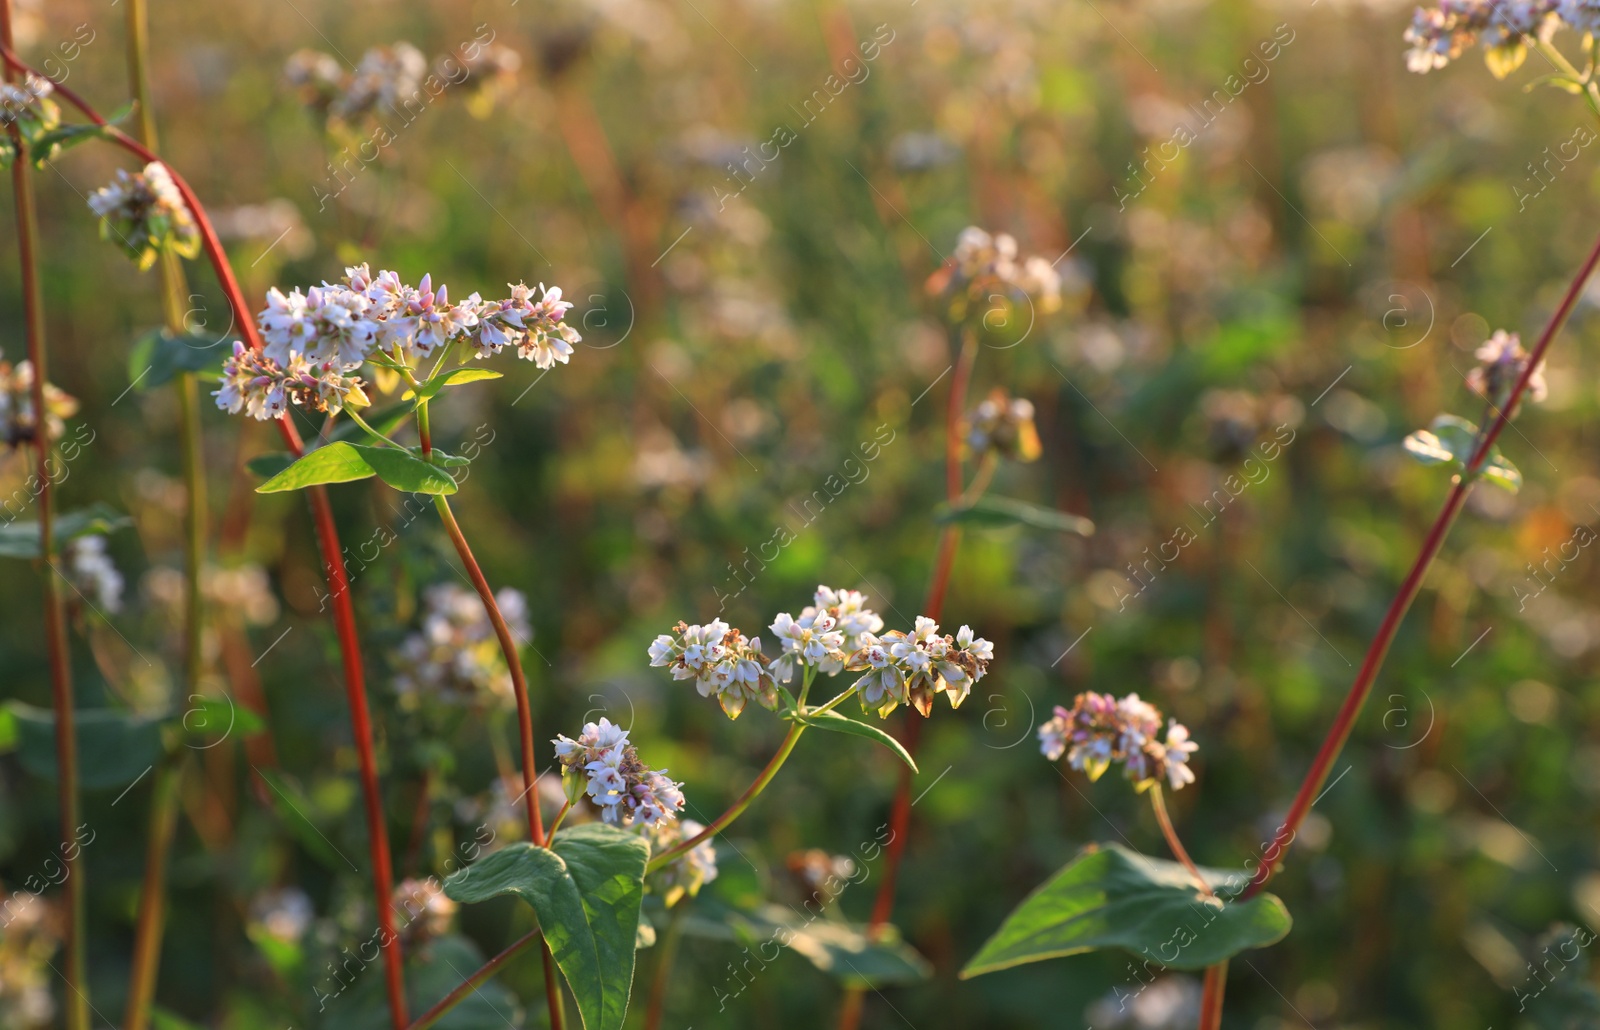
1311 787
471 983
328 540
1216 984
77 1015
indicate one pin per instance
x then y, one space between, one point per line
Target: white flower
615 780
454 656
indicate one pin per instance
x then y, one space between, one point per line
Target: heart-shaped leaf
115 748
337 462
1008 511
843 724
405 471
586 890
1110 897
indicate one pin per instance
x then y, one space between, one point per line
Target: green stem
668 951
55 623
556 825
358 420
738 807
146 962
1158 802
835 702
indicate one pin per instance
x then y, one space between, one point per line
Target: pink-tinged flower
721 661
910 668
1501 362
1099 730
602 765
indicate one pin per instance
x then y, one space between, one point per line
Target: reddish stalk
1216 983
328 541
1159 803
1311 787
471 983
55 624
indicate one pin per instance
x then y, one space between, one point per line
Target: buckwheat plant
1190 918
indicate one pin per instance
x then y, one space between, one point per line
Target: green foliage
21 539
159 355
1110 897
115 748
341 462
586 890
1452 441
836 723
455 377
432 970
993 512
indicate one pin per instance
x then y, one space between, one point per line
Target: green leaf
115 748
21 539
334 463
291 804
1428 448
1110 897
1008 511
405 471
214 719
159 355
385 420
1497 469
455 377
843 724
843 951
270 464
586 890
46 146
432 970
450 461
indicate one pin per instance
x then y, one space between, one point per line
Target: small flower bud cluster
1439 35
263 388
1099 729
424 909
685 875
1003 424
720 661
92 572
386 76
455 657
27 104
147 215
982 261
18 424
1501 362
602 764
910 668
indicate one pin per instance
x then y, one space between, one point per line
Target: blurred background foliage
1324 256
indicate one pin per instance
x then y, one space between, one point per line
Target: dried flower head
984 264
1099 730
818 873
424 910
1003 424
455 656
263 388
685 875
1501 362
720 661
18 425
146 214
603 765
910 668
387 76
488 73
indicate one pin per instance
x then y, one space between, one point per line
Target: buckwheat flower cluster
983 261
146 214
283 914
18 424
27 104
385 76
721 661
1099 729
489 73
264 388
910 668
455 656
1003 424
1501 362
30 934
603 765
685 875
91 570
825 634
1441 34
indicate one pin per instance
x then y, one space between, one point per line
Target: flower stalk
76 996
